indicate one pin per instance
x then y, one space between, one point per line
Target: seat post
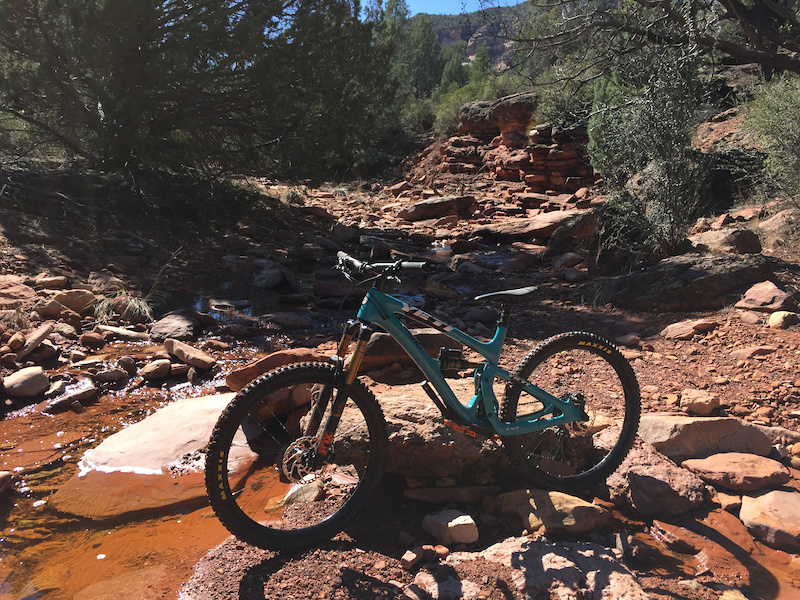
505 314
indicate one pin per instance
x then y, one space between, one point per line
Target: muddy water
48 555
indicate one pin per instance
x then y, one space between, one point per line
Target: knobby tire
573 457
257 452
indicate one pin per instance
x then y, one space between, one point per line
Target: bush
775 119
642 127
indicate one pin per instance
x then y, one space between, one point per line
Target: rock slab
681 437
561 570
774 519
739 472
129 472
552 512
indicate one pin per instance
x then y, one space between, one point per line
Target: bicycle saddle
508 295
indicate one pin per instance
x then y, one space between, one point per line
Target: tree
223 84
760 31
421 55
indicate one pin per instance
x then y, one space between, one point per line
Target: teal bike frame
481 410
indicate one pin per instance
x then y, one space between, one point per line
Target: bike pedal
461 428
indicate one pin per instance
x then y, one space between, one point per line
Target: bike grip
353 263
416 265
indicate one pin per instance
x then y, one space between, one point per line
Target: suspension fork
321 403
344 378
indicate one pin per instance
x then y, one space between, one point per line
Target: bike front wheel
263 478
592 373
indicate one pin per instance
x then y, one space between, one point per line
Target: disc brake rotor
298 459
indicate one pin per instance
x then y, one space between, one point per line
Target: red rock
92 340
239 378
686 330
766 297
752 351
738 471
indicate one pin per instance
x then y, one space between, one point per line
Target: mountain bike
298 451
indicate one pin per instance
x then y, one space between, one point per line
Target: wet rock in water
128 364
81 392
271 275
239 378
156 369
679 437
544 569
773 518
739 472
722 562
451 526
652 484
699 402
766 297
121 333
151 466
176 326
92 340
26 383
111 375
190 355
66 330
550 513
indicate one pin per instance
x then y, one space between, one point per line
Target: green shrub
775 119
642 127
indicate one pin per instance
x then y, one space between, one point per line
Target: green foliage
775 118
229 85
641 127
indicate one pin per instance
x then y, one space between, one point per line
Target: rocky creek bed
704 508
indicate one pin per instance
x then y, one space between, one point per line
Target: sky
451 7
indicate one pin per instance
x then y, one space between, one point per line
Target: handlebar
353 266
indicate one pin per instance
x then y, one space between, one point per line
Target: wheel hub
578 427
298 460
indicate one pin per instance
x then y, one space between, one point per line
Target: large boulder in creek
176 326
421 445
382 349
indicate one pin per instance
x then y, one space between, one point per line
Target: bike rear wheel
592 373
261 475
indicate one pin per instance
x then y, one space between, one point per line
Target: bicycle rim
592 373
261 476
